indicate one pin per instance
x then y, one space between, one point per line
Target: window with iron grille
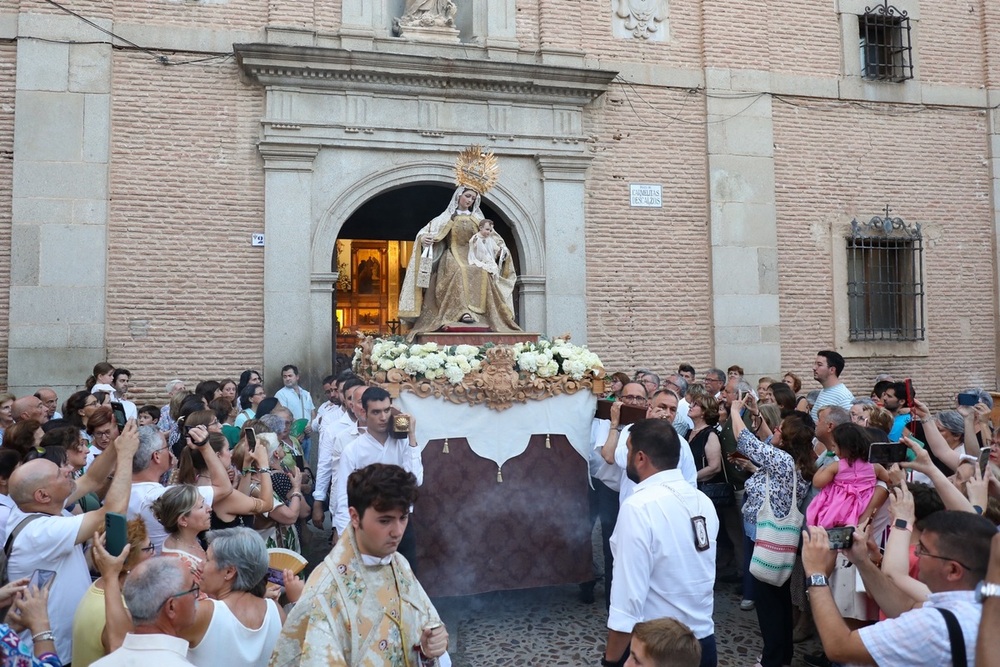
885 289
886 53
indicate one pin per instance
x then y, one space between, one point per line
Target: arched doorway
372 253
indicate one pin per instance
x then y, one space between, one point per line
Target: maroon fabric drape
476 535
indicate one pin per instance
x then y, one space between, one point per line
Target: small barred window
886 52
885 288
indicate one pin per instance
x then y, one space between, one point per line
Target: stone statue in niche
427 14
640 19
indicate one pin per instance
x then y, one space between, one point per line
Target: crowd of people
210 487
868 521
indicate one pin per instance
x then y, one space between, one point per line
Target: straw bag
777 540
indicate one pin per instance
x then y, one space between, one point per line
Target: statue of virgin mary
456 293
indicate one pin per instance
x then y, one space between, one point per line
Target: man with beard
664 546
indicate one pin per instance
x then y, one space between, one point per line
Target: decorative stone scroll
428 19
496 383
641 19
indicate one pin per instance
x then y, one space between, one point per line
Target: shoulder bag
777 539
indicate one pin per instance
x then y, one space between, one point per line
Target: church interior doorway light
372 255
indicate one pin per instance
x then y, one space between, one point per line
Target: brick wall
930 168
648 275
187 192
527 24
950 51
233 14
8 66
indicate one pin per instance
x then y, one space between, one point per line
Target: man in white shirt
663 406
331 447
48 396
152 459
827 370
332 408
51 538
953 553
605 481
121 380
682 423
296 398
664 546
378 445
162 599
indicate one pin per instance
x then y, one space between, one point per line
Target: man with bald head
48 396
29 407
49 538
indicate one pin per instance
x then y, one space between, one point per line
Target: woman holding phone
29 611
785 470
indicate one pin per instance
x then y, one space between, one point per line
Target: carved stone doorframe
341 127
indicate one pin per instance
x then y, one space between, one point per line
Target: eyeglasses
215 422
102 436
150 549
196 590
921 550
633 399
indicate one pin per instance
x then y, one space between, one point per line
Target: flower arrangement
431 361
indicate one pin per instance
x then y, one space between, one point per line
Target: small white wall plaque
257 240
644 195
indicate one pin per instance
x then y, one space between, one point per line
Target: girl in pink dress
847 485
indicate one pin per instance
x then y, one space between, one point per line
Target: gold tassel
499 476
548 443
445 450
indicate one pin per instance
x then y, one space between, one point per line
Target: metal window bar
885 288
886 49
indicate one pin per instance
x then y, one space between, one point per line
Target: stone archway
521 215
384 228
343 125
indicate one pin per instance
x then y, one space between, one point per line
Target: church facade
194 187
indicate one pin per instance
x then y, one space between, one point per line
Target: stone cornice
340 69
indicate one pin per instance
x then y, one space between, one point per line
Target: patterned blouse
777 464
19 654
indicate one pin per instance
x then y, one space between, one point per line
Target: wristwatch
985 590
817 580
902 524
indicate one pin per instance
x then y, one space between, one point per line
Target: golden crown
476 169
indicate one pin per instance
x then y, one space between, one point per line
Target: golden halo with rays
476 169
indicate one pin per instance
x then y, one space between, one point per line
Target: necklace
178 542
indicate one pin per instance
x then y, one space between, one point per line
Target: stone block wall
8 67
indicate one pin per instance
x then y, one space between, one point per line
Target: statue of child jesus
487 249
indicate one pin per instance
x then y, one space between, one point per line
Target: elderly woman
92 638
784 469
6 418
237 621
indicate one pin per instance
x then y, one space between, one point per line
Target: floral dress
19 654
774 465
